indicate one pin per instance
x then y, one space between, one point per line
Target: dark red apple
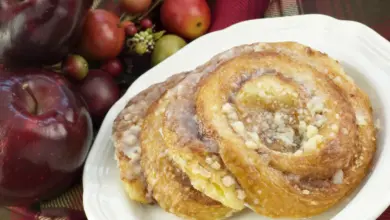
40 32
45 135
100 92
186 18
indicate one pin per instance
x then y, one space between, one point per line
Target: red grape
131 30
146 23
114 67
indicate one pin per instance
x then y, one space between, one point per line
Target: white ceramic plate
365 56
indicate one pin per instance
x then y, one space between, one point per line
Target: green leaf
158 35
149 31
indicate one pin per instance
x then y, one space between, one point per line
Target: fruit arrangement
63 64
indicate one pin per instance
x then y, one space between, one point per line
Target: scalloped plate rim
93 181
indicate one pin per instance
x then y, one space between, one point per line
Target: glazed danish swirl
277 127
291 126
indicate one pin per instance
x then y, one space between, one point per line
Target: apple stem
56 67
28 90
126 17
155 4
139 17
123 15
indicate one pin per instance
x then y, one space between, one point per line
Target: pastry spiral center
281 113
267 106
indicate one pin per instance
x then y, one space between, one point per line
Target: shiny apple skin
135 6
42 147
187 18
100 92
103 36
40 32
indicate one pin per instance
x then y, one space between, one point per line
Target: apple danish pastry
279 128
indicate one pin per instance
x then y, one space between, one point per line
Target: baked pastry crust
277 127
126 128
170 186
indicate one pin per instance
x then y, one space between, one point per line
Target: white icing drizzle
126 136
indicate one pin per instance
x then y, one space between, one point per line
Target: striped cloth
374 13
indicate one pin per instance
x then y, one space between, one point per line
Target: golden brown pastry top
276 127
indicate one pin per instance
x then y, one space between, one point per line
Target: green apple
166 46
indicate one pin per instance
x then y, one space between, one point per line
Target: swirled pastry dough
277 127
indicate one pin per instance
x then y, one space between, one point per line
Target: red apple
135 6
40 32
186 18
45 135
103 35
100 92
